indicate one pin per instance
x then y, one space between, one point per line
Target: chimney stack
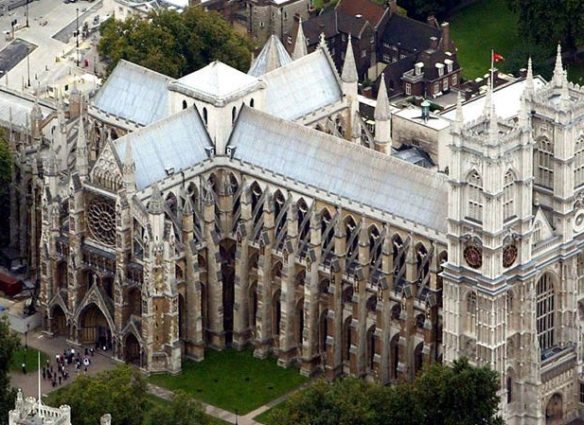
445 36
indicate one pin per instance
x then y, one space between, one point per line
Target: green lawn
29 357
232 380
480 27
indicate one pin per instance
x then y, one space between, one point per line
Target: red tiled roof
371 11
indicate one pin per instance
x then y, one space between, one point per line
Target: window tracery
101 221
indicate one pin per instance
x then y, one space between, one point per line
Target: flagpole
492 69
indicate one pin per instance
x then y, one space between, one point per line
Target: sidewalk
224 414
53 346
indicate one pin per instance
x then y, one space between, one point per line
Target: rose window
101 221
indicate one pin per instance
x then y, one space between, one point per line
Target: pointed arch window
509 195
545 311
579 162
475 197
544 164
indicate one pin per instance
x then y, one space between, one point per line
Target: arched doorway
94 328
554 411
132 350
59 321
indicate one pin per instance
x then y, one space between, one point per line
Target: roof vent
358 16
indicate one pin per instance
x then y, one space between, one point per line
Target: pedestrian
54 383
91 351
85 369
48 362
86 351
44 373
24 368
57 358
59 380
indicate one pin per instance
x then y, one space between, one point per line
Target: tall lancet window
544 163
579 162
475 197
509 195
545 311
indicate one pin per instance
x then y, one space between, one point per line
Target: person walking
24 368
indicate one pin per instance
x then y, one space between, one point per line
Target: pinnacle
349 74
300 45
382 109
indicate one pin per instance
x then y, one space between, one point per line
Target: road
51 24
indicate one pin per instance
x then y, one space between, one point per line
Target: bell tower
489 228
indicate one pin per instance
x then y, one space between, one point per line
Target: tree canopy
120 392
174 44
457 395
9 343
183 410
421 9
550 21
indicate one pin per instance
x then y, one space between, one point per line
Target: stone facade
229 252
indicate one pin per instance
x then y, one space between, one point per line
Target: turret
81 159
129 169
382 119
300 45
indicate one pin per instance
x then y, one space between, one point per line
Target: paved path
224 414
99 362
52 346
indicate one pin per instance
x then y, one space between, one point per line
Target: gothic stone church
224 209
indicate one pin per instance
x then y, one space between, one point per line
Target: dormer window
440 69
449 65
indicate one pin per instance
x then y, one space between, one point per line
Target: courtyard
233 380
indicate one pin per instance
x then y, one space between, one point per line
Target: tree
421 9
120 392
174 44
9 343
5 181
548 22
540 57
183 410
457 395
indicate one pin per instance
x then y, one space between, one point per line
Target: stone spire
488 101
272 54
523 116
382 109
459 117
558 77
382 140
129 168
529 76
156 205
300 44
81 160
349 74
322 42
188 208
356 130
36 117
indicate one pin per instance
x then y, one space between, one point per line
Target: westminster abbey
225 209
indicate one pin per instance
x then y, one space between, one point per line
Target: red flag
497 57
